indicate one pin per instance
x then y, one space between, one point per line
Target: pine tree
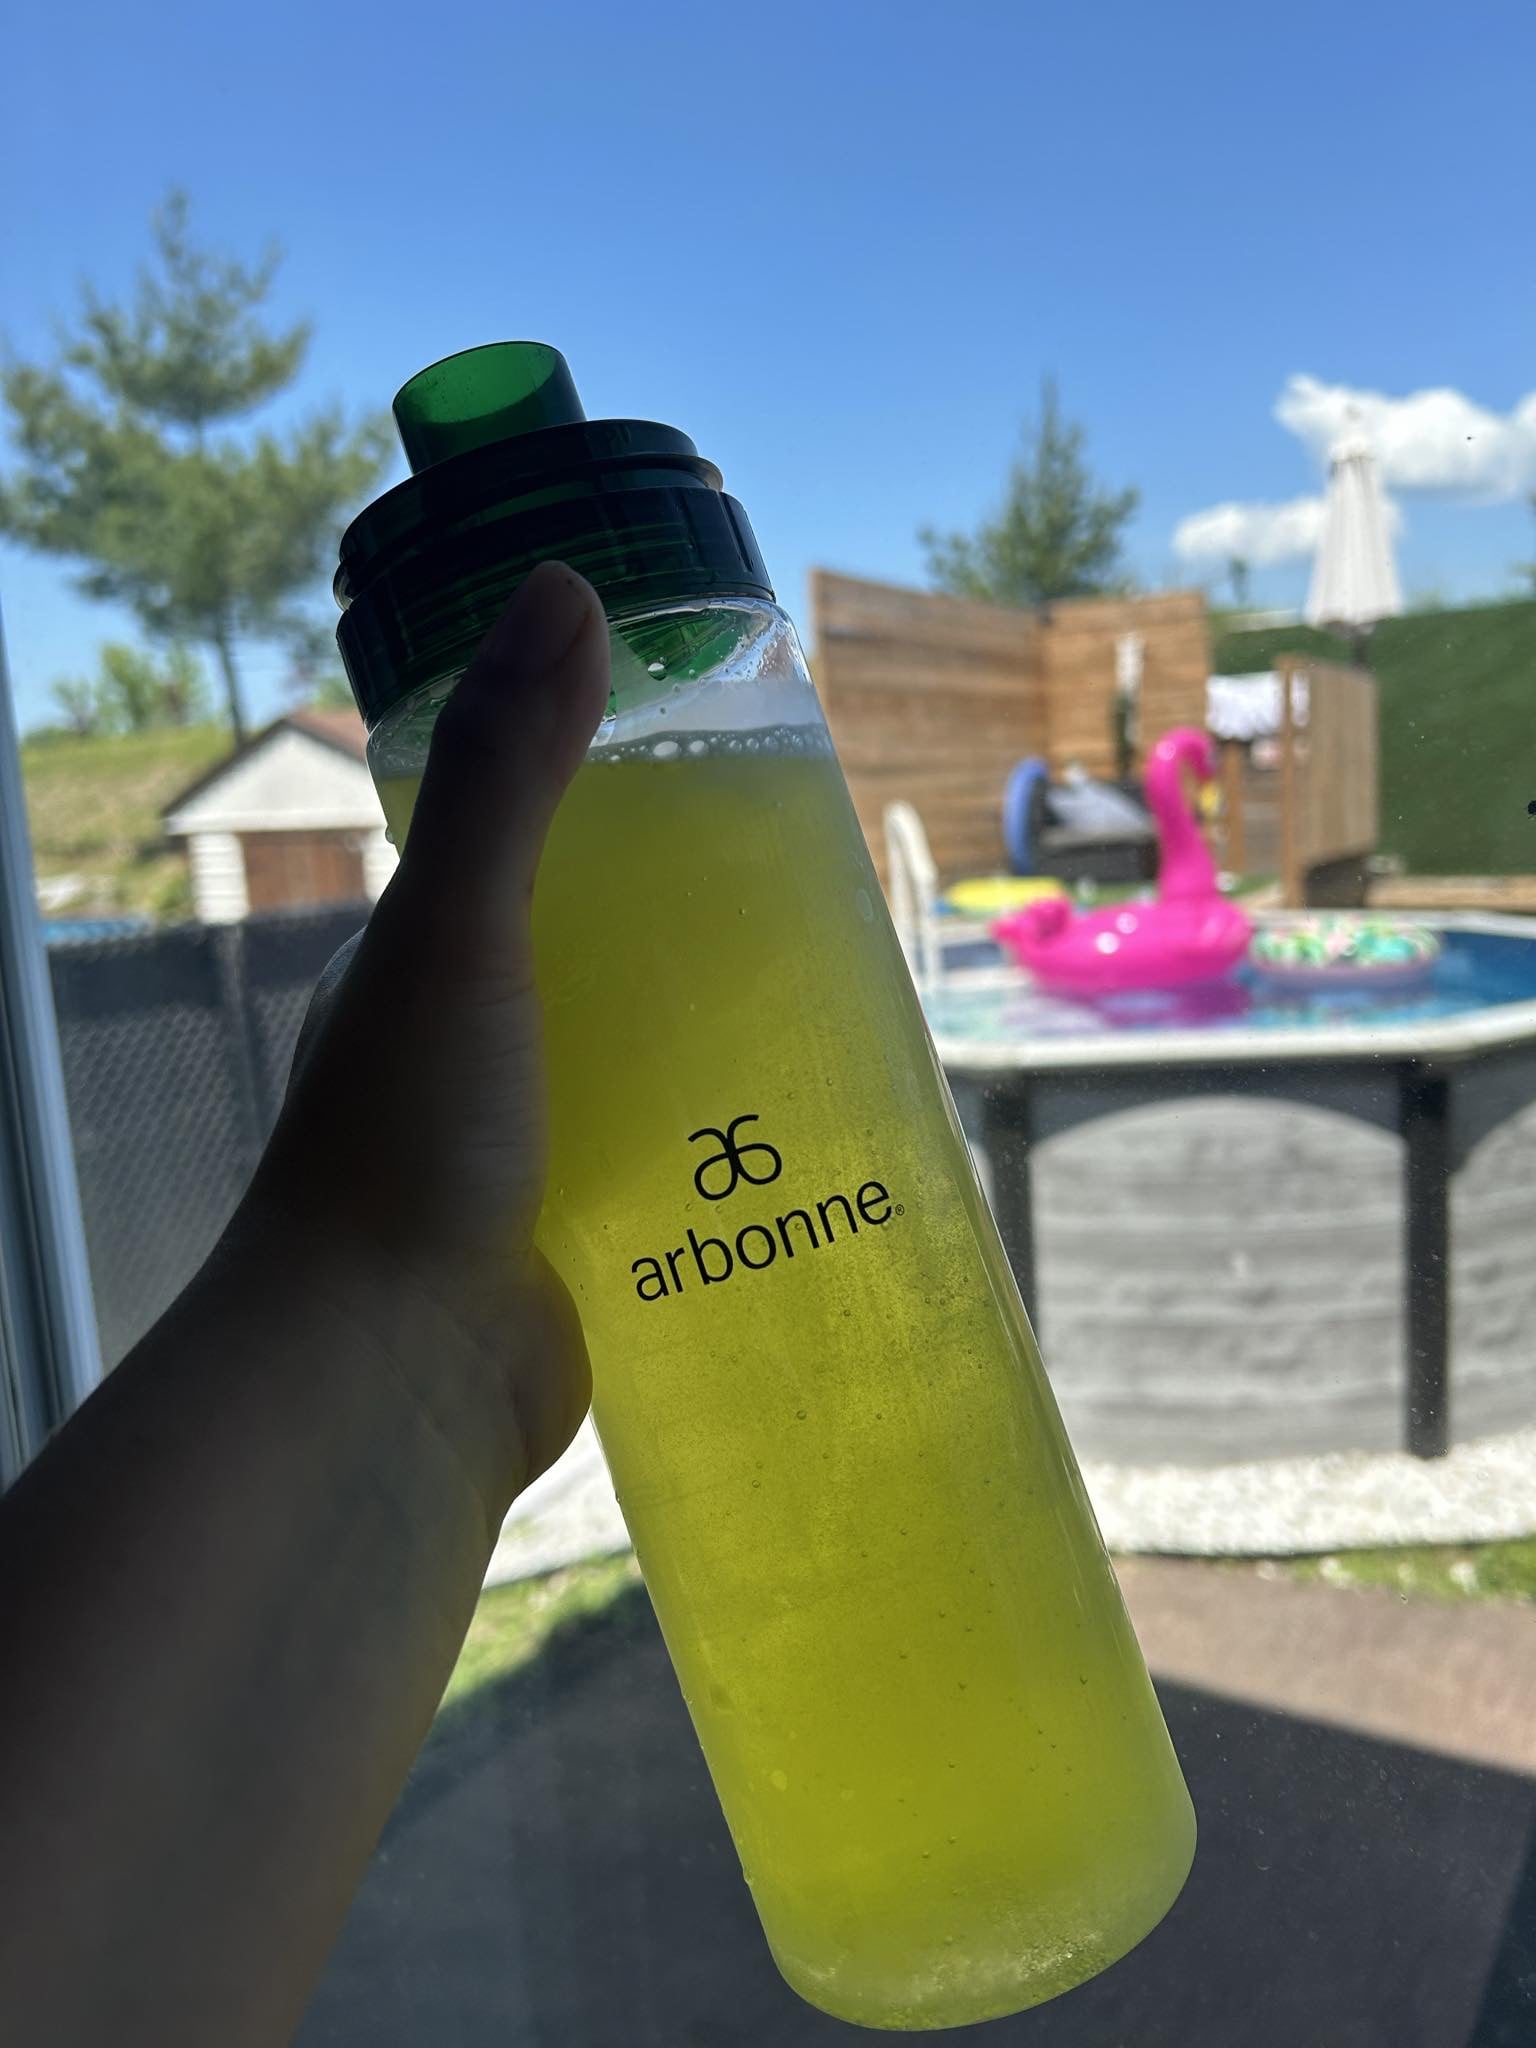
1056 535
134 461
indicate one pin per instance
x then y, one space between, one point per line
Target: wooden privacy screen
1329 793
935 699
1078 643
932 700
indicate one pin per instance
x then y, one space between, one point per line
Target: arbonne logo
732 1158
741 1156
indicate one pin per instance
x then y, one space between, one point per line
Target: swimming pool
1252 1223
1479 970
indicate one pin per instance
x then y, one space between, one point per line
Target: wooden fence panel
936 699
932 700
1078 650
1332 791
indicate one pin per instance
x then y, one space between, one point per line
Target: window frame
49 1355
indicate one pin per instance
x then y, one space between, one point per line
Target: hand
234 1584
411 1150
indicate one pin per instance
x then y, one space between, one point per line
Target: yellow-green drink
897 1632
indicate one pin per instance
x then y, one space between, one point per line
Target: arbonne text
812 1226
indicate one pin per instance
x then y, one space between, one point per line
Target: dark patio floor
558 1876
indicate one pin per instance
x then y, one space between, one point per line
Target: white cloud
1257 534
1438 440
1261 535
1432 441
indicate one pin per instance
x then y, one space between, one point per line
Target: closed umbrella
1354 578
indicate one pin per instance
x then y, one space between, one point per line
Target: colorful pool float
996 895
1342 951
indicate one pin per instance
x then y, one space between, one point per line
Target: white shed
290 818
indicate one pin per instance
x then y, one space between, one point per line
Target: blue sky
840 243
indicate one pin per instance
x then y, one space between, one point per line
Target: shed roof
339 728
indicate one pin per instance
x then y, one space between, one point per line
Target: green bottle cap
508 472
485 394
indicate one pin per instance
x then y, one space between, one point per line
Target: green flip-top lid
507 472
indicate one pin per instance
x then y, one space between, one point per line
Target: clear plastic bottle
860 1522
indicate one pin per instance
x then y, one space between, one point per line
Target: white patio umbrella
1354 578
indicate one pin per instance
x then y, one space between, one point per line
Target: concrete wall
1493 1245
1222 1278
1221 1275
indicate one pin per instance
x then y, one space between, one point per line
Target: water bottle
878 1576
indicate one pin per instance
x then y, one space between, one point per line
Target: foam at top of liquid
772 741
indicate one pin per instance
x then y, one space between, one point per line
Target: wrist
446 1356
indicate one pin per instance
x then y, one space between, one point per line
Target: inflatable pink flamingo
1190 934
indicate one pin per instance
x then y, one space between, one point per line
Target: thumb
505 747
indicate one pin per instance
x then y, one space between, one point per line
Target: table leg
1427 1175
1005 1131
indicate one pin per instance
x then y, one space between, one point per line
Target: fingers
507 743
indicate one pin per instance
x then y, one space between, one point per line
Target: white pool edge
1449 1038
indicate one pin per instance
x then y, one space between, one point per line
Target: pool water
1475 971
81 931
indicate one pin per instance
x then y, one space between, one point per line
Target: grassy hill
1458 709
94 809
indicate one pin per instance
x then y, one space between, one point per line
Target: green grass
1106 894
1459 1571
94 809
513 1623
1458 766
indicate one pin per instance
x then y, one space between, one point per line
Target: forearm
232 1590
216 1678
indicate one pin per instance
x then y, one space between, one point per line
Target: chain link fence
176 1048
